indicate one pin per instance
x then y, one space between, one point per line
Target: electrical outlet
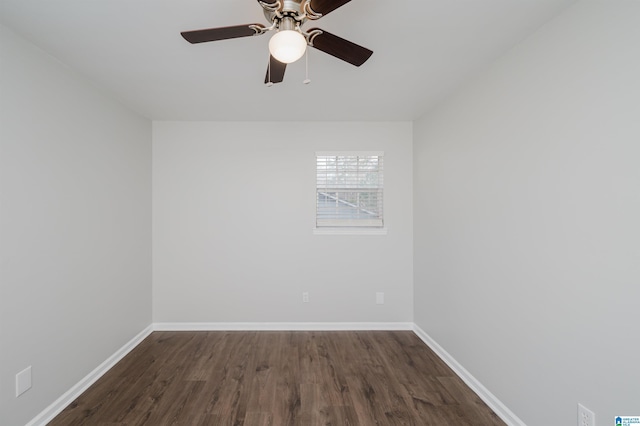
23 381
585 416
305 297
380 298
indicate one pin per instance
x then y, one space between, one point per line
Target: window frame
350 226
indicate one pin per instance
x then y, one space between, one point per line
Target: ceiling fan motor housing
289 8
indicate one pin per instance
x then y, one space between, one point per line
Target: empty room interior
154 186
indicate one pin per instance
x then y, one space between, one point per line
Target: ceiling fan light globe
287 46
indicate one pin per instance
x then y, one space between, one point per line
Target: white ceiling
423 50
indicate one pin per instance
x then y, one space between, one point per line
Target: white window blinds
349 189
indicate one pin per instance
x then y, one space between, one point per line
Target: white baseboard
490 399
68 397
280 326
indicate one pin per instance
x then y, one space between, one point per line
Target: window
349 189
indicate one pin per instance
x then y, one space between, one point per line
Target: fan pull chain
306 59
269 83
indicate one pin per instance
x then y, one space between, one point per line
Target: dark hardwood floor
279 378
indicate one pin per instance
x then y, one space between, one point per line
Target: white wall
527 231
233 214
75 227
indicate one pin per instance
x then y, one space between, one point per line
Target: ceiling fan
289 43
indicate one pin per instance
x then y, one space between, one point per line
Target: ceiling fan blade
275 71
324 7
340 48
222 33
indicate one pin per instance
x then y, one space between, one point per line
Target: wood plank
279 378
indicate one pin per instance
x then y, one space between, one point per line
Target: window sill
350 231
